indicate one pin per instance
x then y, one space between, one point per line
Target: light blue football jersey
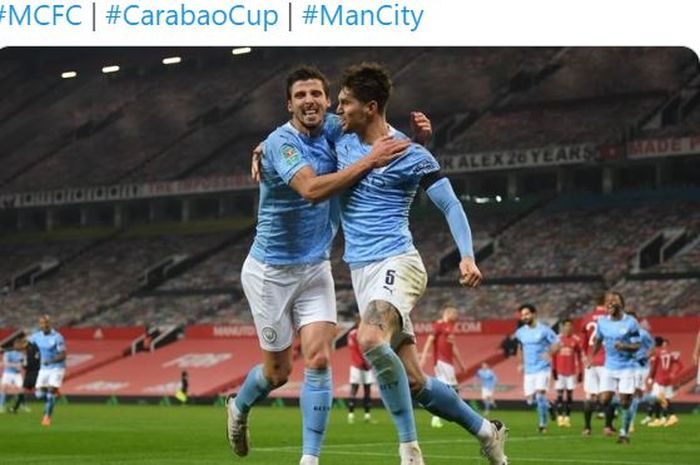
625 330
50 345
291 230
375 211
646 344
536 342
487 378
12 356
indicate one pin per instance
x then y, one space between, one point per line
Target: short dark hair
619 296
368 82
304 73
659 341
566 320
528 306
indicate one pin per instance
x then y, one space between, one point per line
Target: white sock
486 431
408 447
308 460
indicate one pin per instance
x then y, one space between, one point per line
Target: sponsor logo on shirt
290 154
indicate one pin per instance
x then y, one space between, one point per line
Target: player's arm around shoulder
316 188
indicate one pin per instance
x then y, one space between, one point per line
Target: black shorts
30 379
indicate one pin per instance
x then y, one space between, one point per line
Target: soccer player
489 381
52 350
538 343
567 370
665 367
593 363
641 371
620 335
287 276
13 360
360 375
31 372
445 352
387 272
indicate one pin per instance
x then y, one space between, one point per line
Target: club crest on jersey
290 154
269 334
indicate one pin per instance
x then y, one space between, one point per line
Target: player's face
526 316
44 324
451 315
566 329
353 113
614 304
308 103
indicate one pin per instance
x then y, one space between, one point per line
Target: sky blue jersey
290 229
50 345
487 378
375 211
12 356
625 330
536 343
647 343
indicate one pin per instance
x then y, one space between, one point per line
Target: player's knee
416 383
369 338
318 360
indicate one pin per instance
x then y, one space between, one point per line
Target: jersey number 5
390 277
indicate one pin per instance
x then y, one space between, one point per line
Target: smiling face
45 324
527 316
308 103
354 114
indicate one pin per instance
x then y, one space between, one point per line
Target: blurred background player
52 349
641 372
567 371
538 343
31 372
181 393
593 363
360 375
619 333
445 352
489 381
666 366
11 381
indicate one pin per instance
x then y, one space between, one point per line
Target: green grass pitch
160 435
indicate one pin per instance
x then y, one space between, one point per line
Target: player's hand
421 128
255 163
469 274
619 345
386 149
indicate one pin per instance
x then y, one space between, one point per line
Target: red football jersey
356 358
665 366
444 338
589 329
567 361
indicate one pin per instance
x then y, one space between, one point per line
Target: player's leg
560 403
316 396
3 394
314 313
269 292
366 398
351 401
671 418
442 400
379 323
567 407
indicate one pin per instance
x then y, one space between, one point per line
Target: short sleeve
285 155
332 128
422 162
60 344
